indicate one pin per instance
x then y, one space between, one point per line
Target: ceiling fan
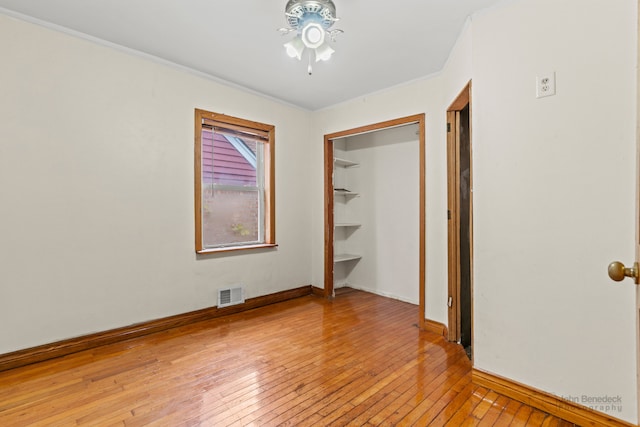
311 20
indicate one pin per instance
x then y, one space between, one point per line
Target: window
234 183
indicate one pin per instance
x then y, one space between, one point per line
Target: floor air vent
230 296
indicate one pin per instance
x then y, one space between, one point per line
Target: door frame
418 119
453 213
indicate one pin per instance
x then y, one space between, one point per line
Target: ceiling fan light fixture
295 48
313 35
324 52
311 20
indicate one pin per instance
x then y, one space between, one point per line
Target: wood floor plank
537 417
358 359
483 407
508 413
521 418
493 413
436 377
431 405
466 409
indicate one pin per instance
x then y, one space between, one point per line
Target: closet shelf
344 163
345 193
347 224
345 257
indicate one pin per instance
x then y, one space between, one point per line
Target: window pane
229 217
228 160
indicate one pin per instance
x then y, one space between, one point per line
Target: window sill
236 248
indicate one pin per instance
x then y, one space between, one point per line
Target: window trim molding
202 117
237 248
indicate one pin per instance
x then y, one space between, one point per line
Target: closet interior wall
385 211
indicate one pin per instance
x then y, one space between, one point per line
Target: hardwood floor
358 360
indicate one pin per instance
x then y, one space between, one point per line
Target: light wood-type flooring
358 360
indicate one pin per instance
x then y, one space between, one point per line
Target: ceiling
385 43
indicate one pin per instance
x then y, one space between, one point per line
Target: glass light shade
295 48
324 52
313 35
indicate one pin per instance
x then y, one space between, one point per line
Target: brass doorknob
617 271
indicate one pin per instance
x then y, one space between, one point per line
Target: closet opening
375 210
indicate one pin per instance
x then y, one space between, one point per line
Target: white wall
555 196
554 190
96 183
387 179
